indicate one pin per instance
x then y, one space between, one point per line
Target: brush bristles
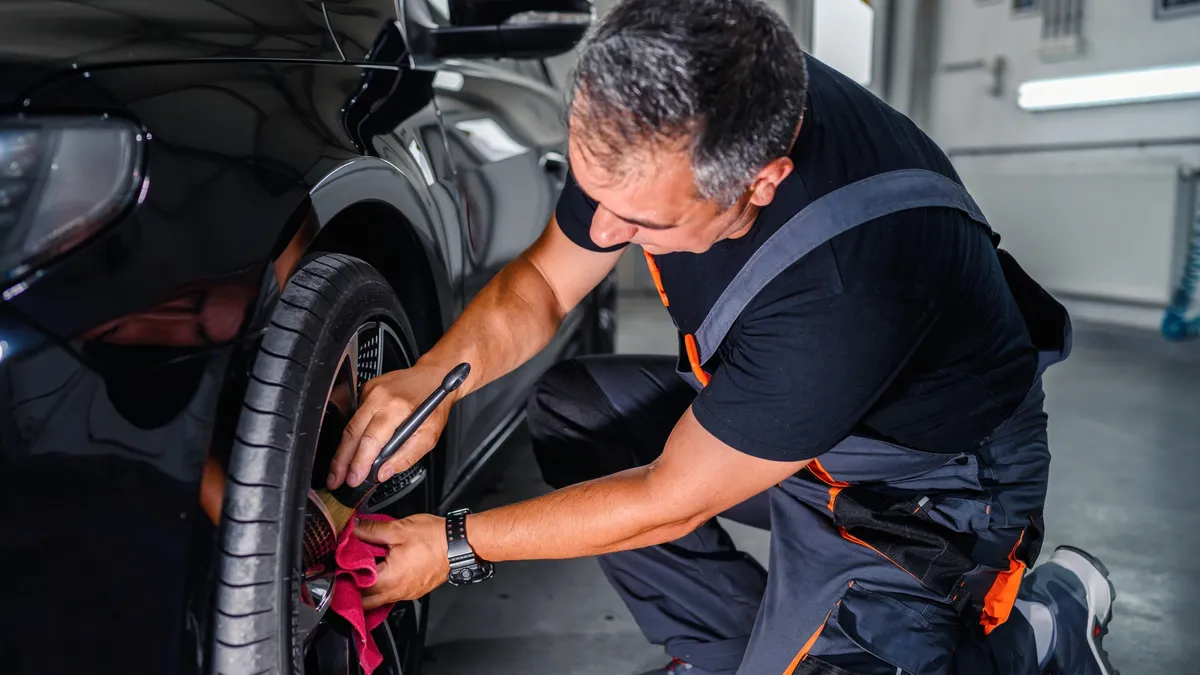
339 513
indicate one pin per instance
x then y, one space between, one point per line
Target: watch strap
465 566
457 549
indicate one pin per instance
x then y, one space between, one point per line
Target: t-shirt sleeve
574 213
801 374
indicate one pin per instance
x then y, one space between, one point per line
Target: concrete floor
1125 424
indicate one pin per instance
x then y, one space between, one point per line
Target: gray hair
725 77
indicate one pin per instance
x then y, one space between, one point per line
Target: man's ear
762 191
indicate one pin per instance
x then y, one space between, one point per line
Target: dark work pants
713 606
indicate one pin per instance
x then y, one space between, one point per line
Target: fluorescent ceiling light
1131 86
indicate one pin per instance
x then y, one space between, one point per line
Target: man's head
681 117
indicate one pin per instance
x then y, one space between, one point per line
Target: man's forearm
507 323
609 514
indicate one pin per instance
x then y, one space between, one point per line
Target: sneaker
1074 585
677 667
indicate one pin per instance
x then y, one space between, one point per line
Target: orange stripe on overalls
1001 597
689 340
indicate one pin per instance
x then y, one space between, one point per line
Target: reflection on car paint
123 364
417 154
490 139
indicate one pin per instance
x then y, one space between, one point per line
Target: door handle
555 164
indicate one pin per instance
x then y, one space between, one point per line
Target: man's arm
518 312
696 477
508 322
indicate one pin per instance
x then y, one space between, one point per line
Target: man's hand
386 401
416 561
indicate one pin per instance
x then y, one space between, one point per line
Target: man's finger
375 595
409 454
370 602
378 432
347 446
377 532
381 573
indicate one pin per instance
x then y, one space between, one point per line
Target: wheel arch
376 211
369 209
380 235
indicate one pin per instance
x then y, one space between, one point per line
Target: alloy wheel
326 638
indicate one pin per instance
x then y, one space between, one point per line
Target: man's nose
608 230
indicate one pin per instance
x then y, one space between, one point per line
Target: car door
506 139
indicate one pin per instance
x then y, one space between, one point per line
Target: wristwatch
465 567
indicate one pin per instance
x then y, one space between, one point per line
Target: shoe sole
1100 593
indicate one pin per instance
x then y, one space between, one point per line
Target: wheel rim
325 637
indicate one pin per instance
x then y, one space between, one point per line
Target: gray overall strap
835 213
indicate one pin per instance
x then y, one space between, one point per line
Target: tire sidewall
351 293
372 301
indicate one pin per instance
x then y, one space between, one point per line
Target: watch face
471 575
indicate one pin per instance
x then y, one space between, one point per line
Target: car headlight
61 180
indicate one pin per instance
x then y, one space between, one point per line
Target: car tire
287 423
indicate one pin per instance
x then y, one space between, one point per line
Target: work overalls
884 559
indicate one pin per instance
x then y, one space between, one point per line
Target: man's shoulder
905 256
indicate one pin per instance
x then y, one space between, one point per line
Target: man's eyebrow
633 221
643 223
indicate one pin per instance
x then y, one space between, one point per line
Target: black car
218 219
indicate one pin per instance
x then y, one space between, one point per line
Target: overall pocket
902 531
874 633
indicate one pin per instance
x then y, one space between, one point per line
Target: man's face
656 205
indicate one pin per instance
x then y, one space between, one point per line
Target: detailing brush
345 500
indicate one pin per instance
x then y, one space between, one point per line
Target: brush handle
354 496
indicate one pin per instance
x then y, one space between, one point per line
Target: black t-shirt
901 329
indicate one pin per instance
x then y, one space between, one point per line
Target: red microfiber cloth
356 570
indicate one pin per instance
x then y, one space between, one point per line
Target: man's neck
744 222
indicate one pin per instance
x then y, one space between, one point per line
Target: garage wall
1101 221
1117 35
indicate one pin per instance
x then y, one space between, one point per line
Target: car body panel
498 126
71 34
123 361
233 149
356 24
101 521
145 320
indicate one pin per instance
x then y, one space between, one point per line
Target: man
860 373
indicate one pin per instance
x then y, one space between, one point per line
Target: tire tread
247 638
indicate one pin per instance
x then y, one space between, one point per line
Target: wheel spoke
350 359
316 596
309 618
332 653
380 343
388 648
344 394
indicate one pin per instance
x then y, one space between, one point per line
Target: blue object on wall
1176 325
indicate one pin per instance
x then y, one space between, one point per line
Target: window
1024 6
1062 29
1170 9
437 11
440 9
534 69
